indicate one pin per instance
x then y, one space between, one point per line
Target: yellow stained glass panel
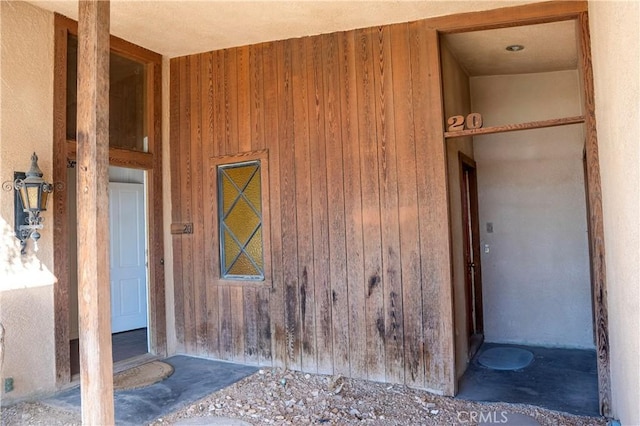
229 194
252 192
242 221
243 266
240 175
231 249
254 248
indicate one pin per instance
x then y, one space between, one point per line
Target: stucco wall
616 67
455 87
536 284
26 119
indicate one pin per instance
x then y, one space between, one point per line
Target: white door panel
128 265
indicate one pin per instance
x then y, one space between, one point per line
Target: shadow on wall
16 270
26 314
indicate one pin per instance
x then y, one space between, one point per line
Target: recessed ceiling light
515 48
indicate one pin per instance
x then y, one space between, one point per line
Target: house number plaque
458 123
182 228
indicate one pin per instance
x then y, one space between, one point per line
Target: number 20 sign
458 123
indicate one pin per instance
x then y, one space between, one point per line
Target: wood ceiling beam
96 362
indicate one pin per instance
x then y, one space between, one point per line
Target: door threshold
135 361
123 365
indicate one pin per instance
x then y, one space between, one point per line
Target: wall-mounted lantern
32 194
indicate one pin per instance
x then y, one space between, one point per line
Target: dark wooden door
471 247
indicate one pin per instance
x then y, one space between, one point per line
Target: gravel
281 397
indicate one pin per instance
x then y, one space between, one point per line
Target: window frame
216 276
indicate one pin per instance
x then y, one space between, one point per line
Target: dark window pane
127 95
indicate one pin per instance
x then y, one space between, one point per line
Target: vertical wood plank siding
358 208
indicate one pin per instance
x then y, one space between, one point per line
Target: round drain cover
505 358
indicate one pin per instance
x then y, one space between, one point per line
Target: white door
128 262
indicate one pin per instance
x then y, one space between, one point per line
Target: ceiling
547 47
177 28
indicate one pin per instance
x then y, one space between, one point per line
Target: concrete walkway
558 379
193 379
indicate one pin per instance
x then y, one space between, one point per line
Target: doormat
142 375
505 358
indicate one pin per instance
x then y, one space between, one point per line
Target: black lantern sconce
31 196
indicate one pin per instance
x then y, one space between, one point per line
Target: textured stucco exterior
615 41
26 117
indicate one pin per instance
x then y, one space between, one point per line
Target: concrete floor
193 379
124 345
558 379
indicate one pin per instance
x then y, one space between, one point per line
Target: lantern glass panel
24 198
44 198
32 196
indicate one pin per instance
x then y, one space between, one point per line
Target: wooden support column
595 218
96 363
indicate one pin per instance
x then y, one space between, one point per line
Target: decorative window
240 219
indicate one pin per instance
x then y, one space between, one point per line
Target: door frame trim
64 155
538 13
466 163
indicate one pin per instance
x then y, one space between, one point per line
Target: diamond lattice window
240 201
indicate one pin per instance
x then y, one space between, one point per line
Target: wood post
96 363
595 218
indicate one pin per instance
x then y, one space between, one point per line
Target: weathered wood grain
245 142
432 211
209 193
371 227
595 218
319 215
60 204
94 295
186 205
176 212
157 294
388 180
287 166
271 58
303 211
356 287
407 164
257 134
335 205
358 252
197 216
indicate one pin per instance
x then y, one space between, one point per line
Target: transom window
240 219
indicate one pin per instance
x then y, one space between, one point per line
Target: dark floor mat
193 379
558 379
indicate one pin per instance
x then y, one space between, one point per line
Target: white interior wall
615 47
536 282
